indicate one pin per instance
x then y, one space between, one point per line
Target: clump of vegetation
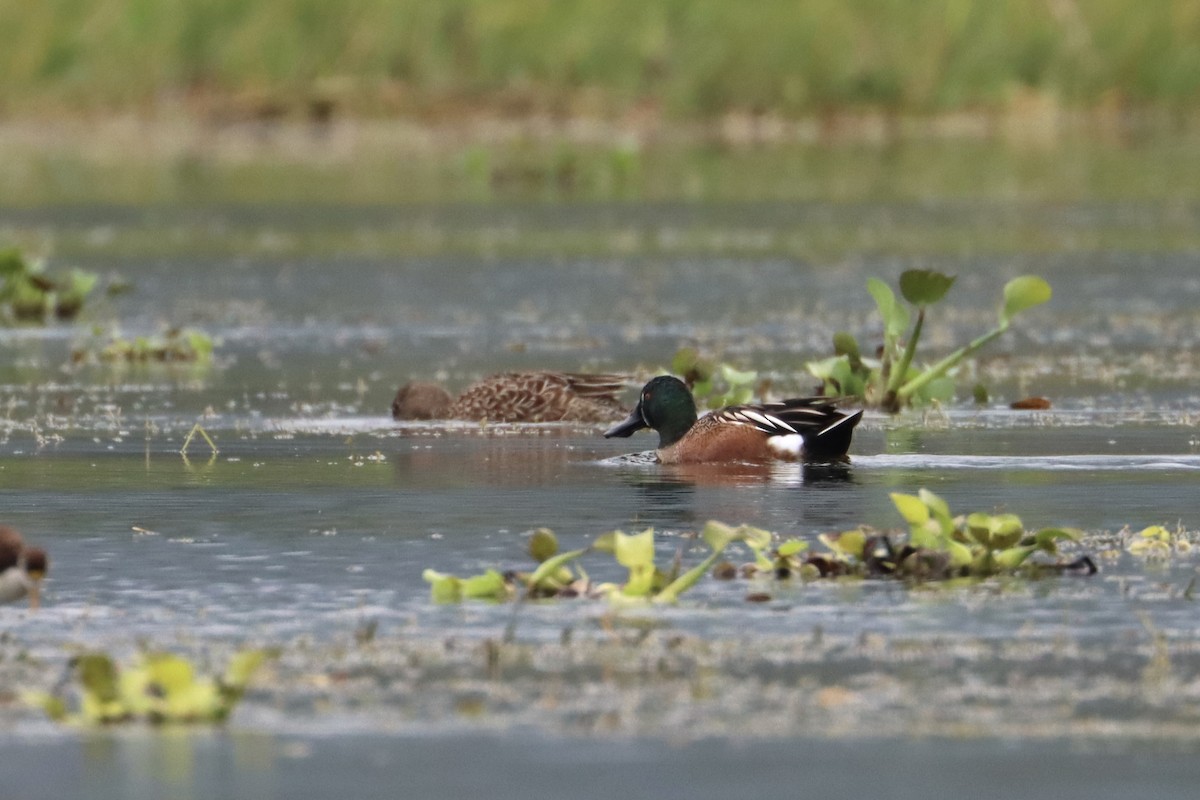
892 381
938 547
186 345
29 294
160 688
554 576
714 385
1156 543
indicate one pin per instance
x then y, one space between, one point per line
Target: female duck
799 429
517 397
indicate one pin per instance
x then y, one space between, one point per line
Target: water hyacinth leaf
739 396
551 566
170 677
756 538
1156 533
923 287
1012 557
939 389
839 376
1024 293
684 361
54 706
792 547
1047 538
911 507
641 581
718 536
98 675
737 377
849 543
928 536
242 666
936 505
443 588
960 554
12 262
634 550
844 344
1007 530
895 316
542 544
488 586
829 368
979 526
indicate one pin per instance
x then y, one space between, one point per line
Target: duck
808 429
21 568
518 397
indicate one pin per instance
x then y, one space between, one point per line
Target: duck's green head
666 405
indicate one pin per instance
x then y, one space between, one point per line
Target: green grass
682 58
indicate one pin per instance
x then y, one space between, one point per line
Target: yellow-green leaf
443 588
1024 293
635 550
911 507
242 666
488 586
542 544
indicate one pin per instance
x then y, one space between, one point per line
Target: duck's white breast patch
787 446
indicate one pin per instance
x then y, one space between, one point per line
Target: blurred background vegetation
674 60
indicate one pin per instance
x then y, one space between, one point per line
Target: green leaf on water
684 361
1024 293
911 507
242 666
848 543
634 550
895 316
923 287
844 344
542 544
98 675
792 547
737 377
443 588
488 586
1047 539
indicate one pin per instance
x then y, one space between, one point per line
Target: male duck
21 568
517 397
802 428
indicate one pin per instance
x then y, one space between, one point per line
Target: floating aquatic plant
160 688
938 546
175 345
1156 543
558 576
713 384
891 381
29 294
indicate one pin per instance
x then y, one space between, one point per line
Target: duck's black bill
628 427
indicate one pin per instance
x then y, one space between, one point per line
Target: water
311 526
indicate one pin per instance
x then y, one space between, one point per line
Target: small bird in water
799 429
517 397
21 568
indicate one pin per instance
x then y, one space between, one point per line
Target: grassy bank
673 59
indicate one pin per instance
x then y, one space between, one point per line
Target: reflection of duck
517 397
21 568
802 428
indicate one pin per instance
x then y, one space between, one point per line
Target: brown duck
517 397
